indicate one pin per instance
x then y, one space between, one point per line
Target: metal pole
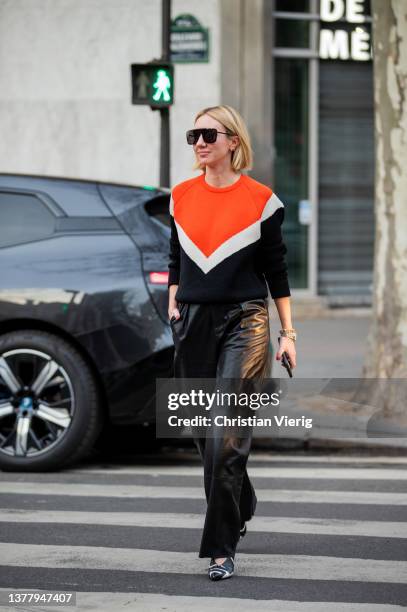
165 112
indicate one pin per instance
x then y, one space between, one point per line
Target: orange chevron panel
210 220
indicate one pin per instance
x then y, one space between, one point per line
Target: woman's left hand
287 345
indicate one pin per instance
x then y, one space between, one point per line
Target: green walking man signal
162 85
153 84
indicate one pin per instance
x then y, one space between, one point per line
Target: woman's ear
235 140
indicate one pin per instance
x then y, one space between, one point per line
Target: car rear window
23 218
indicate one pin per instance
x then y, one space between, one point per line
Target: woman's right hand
172 303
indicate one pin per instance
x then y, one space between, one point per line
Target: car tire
77 419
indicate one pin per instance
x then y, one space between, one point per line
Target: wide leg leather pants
230 340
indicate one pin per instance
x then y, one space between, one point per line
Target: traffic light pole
165 112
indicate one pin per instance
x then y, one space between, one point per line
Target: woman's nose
201 140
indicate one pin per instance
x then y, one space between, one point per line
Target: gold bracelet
289 333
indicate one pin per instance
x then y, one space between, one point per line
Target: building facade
306 89
299 71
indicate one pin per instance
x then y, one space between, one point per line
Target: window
23 218
291 160
292 24
296 6
292 33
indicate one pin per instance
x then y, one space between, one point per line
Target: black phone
285 360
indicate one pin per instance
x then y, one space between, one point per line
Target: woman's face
212 154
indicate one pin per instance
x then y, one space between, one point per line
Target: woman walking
226 247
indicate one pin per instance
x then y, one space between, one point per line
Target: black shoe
222 571
243 531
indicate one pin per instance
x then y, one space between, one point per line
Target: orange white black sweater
226 242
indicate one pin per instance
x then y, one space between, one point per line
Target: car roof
82 180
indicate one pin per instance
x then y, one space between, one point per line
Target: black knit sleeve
272 255
174 252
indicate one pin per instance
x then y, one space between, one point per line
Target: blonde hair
242 156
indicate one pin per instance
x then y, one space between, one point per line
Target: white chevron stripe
103 601
174 520
271 206
169 492
297 567
235 243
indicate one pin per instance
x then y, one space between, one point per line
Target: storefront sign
189 40
342 44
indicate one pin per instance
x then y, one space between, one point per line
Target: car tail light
158 278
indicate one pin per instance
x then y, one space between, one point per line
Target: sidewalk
327 347
330 345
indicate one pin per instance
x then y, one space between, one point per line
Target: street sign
189 41
153 84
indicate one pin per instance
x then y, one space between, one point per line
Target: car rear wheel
49 406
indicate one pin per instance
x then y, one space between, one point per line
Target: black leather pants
223 341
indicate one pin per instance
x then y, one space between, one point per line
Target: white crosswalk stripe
299 567
327 459
262 524
149 578
151 602
268 472
264 495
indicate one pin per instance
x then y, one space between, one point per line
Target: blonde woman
226 247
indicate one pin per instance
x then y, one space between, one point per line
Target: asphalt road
329 534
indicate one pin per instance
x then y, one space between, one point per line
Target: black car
84 329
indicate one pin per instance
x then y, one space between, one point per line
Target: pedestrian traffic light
153 84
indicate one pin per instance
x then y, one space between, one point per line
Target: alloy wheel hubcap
36 402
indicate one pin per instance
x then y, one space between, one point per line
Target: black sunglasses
208 134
